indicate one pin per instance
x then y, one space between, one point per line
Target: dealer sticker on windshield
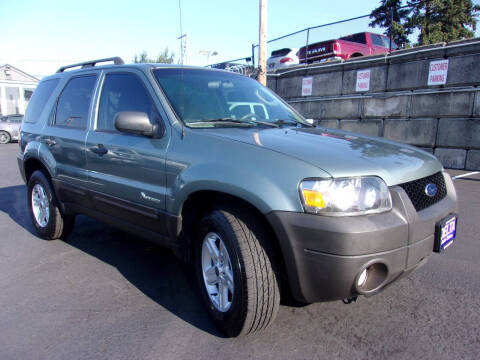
445 231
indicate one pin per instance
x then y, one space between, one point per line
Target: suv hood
341 153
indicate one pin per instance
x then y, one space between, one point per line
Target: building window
13 97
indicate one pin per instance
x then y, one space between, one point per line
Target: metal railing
319 33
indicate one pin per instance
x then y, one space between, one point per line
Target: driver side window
123 92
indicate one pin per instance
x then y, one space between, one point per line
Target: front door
126 171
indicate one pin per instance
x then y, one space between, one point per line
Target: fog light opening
371 278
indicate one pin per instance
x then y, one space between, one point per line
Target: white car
282 58
240 110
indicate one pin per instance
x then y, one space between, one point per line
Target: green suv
219 169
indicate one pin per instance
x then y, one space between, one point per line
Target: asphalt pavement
103 294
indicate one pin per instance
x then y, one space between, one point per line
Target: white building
16 89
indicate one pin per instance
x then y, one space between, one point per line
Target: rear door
65 133
126 171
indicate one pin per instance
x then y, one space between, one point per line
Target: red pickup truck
346 47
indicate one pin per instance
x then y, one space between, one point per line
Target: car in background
240 110
10 128
282 58
347 47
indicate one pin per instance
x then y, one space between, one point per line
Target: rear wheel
45 213
4 137
235 272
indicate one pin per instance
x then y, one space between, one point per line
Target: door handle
50 142
99 149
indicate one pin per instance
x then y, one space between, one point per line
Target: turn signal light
313 198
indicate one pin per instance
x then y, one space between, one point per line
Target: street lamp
207 54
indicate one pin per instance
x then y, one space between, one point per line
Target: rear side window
123 92
358 38
74 102
281 52
39 99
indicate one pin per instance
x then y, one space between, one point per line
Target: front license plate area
445 231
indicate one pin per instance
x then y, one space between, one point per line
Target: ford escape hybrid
219 169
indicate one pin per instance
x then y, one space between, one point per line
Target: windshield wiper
240 121
290 122
226 120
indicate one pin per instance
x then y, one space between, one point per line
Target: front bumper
325 255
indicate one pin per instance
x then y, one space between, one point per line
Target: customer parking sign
437 73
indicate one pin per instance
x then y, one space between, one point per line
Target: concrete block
368 127
302 108
337 108
365 62
464 133
420 132
473 160
451 158
272 83
322 68
419 52
332 124
429 150
378 77
290 87
469 46
447 104
463 70
327 84
408 75
476 109
395 106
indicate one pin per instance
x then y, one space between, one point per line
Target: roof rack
116 60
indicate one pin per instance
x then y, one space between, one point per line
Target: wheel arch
201 203
33 164
355 55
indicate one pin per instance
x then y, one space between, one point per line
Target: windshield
203 98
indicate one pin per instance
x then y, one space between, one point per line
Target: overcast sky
40 36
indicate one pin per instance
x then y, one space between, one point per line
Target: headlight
345 196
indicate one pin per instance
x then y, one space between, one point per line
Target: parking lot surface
103 294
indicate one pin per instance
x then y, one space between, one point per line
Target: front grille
416 191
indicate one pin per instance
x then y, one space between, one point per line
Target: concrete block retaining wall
399 104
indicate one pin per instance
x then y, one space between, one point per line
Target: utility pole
262 50
184 49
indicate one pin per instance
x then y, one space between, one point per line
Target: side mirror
133 122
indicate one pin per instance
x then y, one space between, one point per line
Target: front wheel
235 272
46 216
4 137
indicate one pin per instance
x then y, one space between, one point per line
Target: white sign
307 85
437 73
363 80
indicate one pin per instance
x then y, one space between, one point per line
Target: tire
5 137
253 304
45 214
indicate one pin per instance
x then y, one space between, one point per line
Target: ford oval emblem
431 190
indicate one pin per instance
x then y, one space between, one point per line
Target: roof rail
116 60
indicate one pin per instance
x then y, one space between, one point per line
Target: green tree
165 57
382 16
443 20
